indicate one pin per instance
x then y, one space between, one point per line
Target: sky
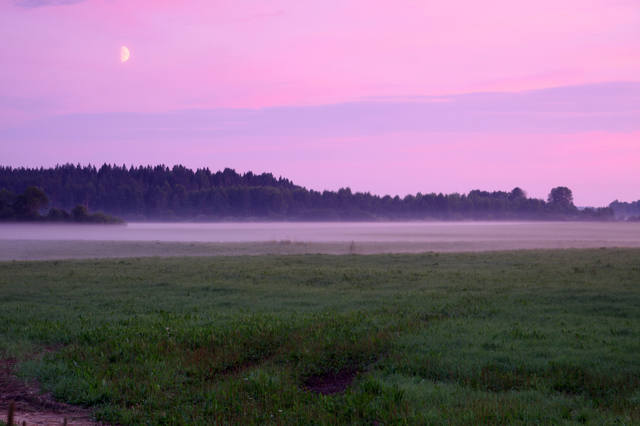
391 97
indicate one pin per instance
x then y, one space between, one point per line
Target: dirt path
33 407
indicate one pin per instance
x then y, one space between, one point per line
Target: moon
125 54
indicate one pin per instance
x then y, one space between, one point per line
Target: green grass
542 337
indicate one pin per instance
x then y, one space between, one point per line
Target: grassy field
506 337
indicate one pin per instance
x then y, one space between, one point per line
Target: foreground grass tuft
512 337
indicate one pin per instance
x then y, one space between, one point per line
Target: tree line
29 206
626 211
179 193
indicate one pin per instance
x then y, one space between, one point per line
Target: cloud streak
606 107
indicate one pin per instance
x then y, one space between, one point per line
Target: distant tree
58 215
561 199
517 194
36 198
625 210
6 204
80 213
28 204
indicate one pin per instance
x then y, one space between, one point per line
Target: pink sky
381 96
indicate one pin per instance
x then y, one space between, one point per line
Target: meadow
538 336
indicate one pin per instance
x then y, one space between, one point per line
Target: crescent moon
124 54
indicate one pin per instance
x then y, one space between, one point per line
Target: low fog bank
314 232
31 241
59 250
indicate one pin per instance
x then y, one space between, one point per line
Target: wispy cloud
606 107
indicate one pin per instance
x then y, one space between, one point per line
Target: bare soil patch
331 383
33 407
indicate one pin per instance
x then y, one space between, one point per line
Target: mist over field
46 241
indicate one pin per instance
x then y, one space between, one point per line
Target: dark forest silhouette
29 207
179 193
